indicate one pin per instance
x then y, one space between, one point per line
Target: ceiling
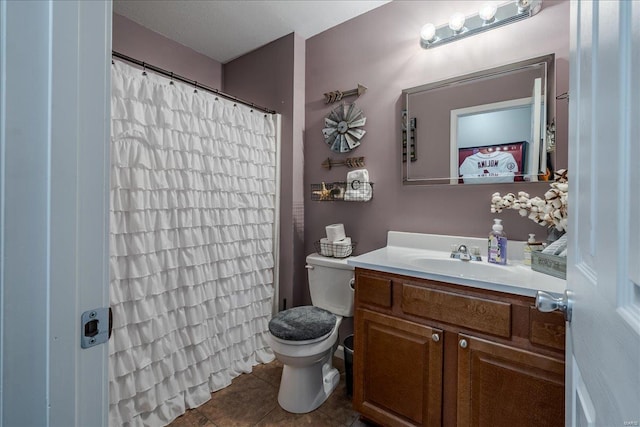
226 29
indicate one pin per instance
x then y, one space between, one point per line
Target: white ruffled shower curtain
193 187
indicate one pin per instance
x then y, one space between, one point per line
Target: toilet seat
289 342
302 325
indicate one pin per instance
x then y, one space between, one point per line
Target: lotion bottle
528 249
497 250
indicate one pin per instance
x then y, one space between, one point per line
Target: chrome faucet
462 253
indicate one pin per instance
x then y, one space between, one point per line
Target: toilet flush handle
308 267
352 283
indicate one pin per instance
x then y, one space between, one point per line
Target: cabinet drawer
492 317
547 329
373 290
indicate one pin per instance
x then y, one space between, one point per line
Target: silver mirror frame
549 100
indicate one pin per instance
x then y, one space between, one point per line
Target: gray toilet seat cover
302 323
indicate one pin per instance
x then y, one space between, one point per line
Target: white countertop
412 254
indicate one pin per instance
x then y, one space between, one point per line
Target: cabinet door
397 371
504 386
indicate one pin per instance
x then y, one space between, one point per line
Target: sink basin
477 270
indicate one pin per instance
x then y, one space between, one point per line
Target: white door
54 165
603 341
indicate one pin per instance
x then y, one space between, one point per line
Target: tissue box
552 265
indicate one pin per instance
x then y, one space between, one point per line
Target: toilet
305 338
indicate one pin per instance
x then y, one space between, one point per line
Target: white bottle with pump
497 250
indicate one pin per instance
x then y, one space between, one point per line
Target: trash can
348 363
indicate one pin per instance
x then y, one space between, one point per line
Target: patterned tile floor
252 400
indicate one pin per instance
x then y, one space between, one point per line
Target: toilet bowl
305 338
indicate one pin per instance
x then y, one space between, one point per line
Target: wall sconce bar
460 27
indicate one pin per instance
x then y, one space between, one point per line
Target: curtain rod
193 83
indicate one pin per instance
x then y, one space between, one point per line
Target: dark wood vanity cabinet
500 385
430 353
403 386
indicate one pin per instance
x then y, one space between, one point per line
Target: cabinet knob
435 337
463 344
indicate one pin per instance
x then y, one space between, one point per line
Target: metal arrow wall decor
350 162
337 95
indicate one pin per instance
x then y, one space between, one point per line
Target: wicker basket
335 250
355 191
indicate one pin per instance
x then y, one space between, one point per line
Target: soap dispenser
497 250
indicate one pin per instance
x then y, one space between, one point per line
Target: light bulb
456 22
428 32
487 12
523 5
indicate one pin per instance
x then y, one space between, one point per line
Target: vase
553 234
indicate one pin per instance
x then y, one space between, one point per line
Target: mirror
481 128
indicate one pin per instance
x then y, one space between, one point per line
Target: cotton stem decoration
550 211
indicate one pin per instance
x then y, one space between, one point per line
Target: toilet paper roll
335 232
342 248
326 247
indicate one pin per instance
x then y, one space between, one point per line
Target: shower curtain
193 192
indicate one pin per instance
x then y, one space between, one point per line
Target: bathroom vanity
438 342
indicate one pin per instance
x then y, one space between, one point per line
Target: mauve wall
381 50
273 76
136 41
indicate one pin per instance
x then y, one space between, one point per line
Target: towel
557 247
358 186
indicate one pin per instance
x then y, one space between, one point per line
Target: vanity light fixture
456 23
489 16
428 32
487 13
523 5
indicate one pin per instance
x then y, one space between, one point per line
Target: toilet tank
331 284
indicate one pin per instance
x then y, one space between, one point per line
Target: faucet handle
462 252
